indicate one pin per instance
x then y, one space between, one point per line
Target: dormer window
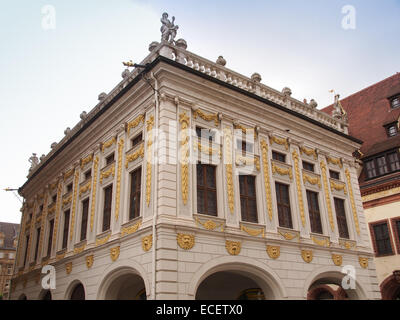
391 130
395 102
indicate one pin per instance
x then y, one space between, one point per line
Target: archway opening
22 297
126 287
233 285
46 295
390 288
78 293
330 288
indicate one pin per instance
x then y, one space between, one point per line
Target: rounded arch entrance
45 295
236 278
123 283
328 281
76 291
390 288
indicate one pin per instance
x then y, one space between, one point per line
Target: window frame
334 172
391 99
373 237
341 217
50 238
84 218
278 204
65 230
312 213
135 141
206 189
275 155
306 163
37 254
374 160
137 191
246 197
107 209
107 159
396 233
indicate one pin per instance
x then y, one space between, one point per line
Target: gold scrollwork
335 161
96 166
119 173
280 141
57 214
133 124
132 157
184 141
274 252
86 160
149 128
108 144
80 249
288 235
246 130
245 161
228 167
307 255
353 204
233 247
309 152
105 174
338 187
185 241
337 259
147 242
298 184
311 180
76 181
114 253
346 244
89 261
282 171
327 195
131 229
85 188
102 241
253 232
264 148
209 224
206 117
323 243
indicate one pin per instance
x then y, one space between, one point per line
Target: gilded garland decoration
209 224
86 160
228 167
85 188
108 144
206 117
327 195
311 180
252 231
149 129
264 148
335 161
309 152
105 174
76 181
282 171
132 157
57 214
131 229
184 159
92 209
246 130
246 161
338 187
119 173
353 204
298 185
133 124
280 141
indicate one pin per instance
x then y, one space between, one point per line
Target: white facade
193 91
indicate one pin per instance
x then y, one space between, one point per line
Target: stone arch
71 288
390 288
117 270
269 281
334 275
45 295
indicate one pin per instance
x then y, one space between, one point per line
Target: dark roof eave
200 74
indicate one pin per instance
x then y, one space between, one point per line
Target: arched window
78 293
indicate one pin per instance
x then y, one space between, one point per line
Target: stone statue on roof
168 28
34 161
338 110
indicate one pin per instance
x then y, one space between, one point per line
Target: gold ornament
79 249
147 242
335 161
307 255
119 173
206 117
86 160
135 155
96 165
337 259
185 241
184 149
228 167
298 185
338 186
363 262
282 171
76 181
264 148
353 204
233 247
68 267
149 129
102 241
108 144
133 124
253 232
274 252
309 152
114 253
280 141
311 180
89 261
327 196
131 229
105 174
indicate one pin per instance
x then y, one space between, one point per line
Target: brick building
8 247
373 114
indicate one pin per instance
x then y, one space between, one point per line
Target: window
278 156
69 188
26 248
341 218
395 102
88 174
134 209
334 174
391 130
381 238
308 166
137 140
206 189
54 198
382 164
110 159
9 269
107 208
85 210
246 147
66 229
248 203
37 243
283 201
396 232
50 240
313 210
206 134
40 209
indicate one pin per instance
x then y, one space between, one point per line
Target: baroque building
191 181
8 247
373 115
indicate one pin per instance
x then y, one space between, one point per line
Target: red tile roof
368 110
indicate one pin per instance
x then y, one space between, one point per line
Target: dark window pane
382 167
50 240
88 174
395 103
137 140
341 218
66 229
334 175
308 166
136 177
248 198
211 203
107 208
110 159
371 171
69 187
382 239
206 189
394 161
201 208
283 202
210 176
200 175
85 210
278 156
313 210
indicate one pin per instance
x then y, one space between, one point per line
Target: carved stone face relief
89 261
337 259
273 251
307 255
114 252
147 242
233 247
68 267
363 262
185 241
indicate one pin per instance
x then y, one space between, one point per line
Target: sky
53 67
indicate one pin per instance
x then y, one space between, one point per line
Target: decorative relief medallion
108 144
311 180
327 195
282 171
338 187
210 224
337 259
185 241
253 231
184 153
105 174
353 204
267 185
114 253
68 267
309 152
274 252
133 124
228 167
207 117
280 141
89 261
132 157
149 153
131 229
102 241
307 255
298 185
96 166
363 262
147 242
233 247
119 173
